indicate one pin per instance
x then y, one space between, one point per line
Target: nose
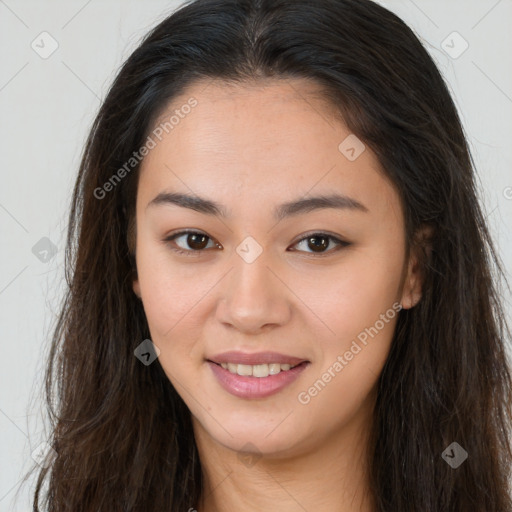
253 296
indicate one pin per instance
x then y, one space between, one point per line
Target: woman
280 291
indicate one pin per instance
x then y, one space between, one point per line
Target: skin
250 148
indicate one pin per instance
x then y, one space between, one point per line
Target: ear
421 250
136 287
131 241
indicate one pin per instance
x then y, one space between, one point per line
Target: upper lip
235 357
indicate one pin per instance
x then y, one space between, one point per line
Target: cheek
174 298
353 295
169 291
169 309
350 361
358 308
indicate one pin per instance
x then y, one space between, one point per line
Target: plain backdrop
48 102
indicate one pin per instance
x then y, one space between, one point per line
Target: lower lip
255 387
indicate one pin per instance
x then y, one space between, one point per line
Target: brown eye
196 241
319 243
192 242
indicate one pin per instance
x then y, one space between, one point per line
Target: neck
331 476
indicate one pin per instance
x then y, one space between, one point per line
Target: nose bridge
252 295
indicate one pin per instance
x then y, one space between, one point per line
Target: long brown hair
122 435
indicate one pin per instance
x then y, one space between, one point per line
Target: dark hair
122 435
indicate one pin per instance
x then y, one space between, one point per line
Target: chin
259 437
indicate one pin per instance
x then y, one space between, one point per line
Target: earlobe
411 294
420 253
136 288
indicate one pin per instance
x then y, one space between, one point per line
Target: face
269 268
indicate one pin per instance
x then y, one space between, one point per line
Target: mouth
256 381
258 370
260 364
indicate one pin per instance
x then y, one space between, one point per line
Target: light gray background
47 106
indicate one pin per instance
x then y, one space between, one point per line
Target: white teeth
257 370
260 370
274 368
244 369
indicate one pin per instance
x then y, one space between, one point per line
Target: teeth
273 369
244 369
257 370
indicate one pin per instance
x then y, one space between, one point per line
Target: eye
320 242
194 239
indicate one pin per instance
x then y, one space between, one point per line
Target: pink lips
250 387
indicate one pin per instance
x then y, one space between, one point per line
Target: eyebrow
296 207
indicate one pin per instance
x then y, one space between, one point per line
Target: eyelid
338 241
170 238
340 244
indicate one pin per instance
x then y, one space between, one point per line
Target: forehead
274 139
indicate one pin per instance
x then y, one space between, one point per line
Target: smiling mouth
258 370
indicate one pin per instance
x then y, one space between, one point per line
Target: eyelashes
198 238
187 233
